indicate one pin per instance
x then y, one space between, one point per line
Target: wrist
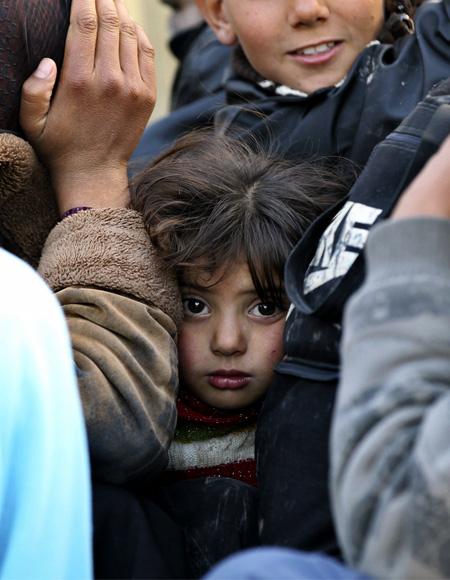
73 211
99 189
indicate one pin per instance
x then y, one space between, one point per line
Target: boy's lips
319 53
228 379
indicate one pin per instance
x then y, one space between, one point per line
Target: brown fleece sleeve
121 305
27 205
126 360
109 249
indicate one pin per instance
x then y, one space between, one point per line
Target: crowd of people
256 368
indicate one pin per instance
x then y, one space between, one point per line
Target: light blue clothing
281 564
45 510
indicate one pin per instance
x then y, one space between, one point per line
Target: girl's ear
215 15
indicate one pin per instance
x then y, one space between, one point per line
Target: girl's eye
195 306
264 309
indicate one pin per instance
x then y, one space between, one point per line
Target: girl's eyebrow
194 286
210 288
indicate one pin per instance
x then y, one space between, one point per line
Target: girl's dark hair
211 201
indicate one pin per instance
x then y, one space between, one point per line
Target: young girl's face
304 44
229 341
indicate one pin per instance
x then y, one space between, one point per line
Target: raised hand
86 133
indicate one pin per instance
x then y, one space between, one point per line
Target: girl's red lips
228 379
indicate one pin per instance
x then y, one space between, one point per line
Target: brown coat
121 307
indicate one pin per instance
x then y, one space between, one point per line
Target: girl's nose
308 11
229 337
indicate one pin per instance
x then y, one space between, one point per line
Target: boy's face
304 44
229 341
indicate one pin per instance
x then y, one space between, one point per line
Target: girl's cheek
275 341
187 346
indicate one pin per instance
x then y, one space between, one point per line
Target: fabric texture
209 442
293 466
120 305
133 537
31 30
202 68
79 252
218 516
269 563
28 210
45 509
390 436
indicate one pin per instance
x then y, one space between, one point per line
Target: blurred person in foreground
45 498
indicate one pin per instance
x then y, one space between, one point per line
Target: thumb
36 95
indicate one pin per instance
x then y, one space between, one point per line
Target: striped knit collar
192 409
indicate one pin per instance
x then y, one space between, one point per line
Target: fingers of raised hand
146 56
128 46
136 59
79 54
107 55
105 95
92 45
106 52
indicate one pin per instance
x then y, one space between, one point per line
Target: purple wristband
73 211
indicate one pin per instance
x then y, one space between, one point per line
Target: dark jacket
322 272
203 63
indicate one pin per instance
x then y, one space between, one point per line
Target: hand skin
429 193
105 95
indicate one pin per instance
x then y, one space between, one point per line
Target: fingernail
45 69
